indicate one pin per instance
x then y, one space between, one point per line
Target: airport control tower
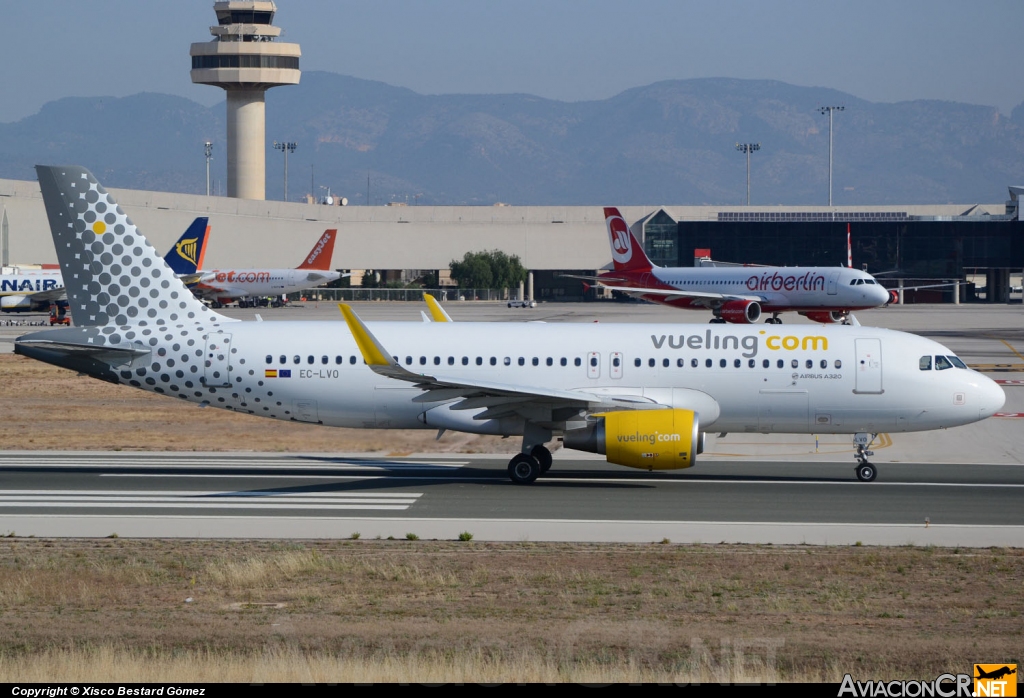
246 59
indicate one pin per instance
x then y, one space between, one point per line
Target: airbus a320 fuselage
643 395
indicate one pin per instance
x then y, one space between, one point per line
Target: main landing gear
524 468
773 320
534 460
865 471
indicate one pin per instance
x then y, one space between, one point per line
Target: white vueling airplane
641 394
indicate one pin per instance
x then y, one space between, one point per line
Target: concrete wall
277 234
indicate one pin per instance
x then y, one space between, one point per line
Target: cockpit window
925 363
860 282
869 281
853 282
942 363
957 362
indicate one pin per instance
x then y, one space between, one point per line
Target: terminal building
981 245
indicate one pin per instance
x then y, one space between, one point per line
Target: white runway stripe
118 499
140 504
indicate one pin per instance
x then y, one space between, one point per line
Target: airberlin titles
786 282
712 340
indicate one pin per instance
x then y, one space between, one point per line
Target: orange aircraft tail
323 251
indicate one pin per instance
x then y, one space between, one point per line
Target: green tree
370 279
492 269
474 271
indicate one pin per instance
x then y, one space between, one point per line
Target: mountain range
672 142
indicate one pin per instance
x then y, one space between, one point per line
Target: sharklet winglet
373 353
436 311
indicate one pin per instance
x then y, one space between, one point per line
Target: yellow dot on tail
99 227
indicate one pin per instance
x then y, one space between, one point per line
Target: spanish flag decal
270 373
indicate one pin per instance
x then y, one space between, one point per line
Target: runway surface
314 495
962 486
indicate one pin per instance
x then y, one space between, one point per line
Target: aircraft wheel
866 472
523 469
542 456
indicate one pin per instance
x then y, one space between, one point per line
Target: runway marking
1007 381
1008 414
396 501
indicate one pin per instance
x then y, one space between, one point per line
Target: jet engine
825 316
16 303
740 312
646 439
894 296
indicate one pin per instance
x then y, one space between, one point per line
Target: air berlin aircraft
738 294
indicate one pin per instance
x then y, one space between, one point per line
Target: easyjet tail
320 256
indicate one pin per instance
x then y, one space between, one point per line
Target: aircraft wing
710 298
48 296
583 277
499 399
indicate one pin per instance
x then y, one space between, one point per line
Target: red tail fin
320 256
627 252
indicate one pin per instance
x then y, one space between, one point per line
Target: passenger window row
946 362
737 363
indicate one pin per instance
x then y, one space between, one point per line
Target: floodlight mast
285 148
829 110
748 148
208 149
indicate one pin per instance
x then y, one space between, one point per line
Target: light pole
748 148
208 149
829 110
285 148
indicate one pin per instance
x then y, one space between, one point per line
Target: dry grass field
46 407
412 610
435 611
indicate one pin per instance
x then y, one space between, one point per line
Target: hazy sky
879 50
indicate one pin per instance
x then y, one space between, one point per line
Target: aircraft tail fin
186 255
112 275
320 256
627 252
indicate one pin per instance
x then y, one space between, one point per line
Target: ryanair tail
627 252
112 275
186 256
319 258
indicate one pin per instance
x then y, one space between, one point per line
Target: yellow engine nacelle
647 439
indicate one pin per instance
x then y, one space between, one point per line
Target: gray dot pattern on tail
111 272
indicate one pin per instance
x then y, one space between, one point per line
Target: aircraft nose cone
879 294
992 397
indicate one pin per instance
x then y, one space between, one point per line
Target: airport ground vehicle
522 304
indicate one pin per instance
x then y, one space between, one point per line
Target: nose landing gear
866 472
